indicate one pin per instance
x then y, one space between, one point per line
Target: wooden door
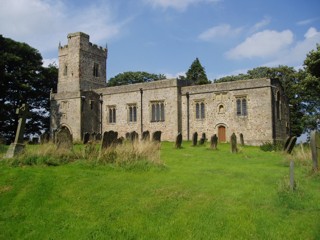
222 134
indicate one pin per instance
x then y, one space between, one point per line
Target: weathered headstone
35 140
18 146
86 138
98 137
134 136
315 149
120 140
233 141
286 143
202 139
178 140
156 137
291 145
241 139
93 136
214 141
146 136
44 138
128 136
194 139
64 139
109 138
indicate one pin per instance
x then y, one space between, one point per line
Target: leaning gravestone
286 143
178 140
146 136
156 137
291 145
241 139
315 149
233 141
64 139
109 138
214 141
195 139
86 138
17 146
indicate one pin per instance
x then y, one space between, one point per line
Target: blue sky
165 36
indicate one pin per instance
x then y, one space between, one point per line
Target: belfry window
242 106
200 110
157 111
65 70
112 114
96 69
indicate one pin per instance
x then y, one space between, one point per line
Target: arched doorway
222 133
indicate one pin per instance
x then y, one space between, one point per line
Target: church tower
82 65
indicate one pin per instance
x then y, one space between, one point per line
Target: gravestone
120 140
202 139
17 146
156 137
286 143
108 139
195 139
214 142
93 136
291 145
98 137
35 140
86 138
315 149
44 138
178 140
134 136
241 139
128 136
64 139
233 141
146 136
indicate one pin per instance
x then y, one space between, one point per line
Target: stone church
83 103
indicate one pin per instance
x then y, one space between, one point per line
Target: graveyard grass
198 193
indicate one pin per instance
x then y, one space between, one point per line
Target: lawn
197 193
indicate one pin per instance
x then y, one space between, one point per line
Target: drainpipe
188 124
141 111
101 102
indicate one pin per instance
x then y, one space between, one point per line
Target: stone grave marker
86 138
241 139
291 145
214 142
194 139
64 139
156 136
35 140
202 139
93 136
233 141
286 143
178 140
134 136
17 146
146 136
315 149
108 139
128 136
98 137
44 138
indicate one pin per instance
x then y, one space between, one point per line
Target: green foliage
196 73
134 77
24 80
269 147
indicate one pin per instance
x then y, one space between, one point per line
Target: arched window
112 114
197 111
157 112
200 110
242 106
239 107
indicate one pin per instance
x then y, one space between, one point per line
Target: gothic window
132 113
157 112
242 106
65 70
200 110
221 108
96 69
112 114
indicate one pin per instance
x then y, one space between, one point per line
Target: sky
165 36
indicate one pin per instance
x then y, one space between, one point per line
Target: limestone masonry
256 108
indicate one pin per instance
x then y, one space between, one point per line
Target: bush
269 147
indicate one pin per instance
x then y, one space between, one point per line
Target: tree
23 80
134 77
196 73
310 89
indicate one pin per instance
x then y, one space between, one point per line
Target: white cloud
47 61
262 44
295 55
223 30
264 22
306 21
180 5
43 23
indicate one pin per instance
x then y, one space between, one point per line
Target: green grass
198 194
